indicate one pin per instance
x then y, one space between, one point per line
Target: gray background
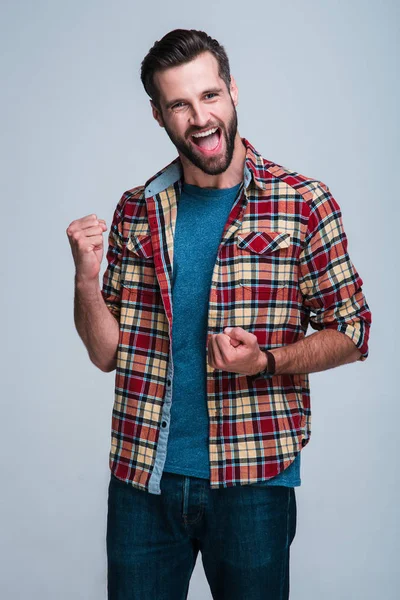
318 93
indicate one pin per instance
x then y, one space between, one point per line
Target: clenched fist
86 239
237 351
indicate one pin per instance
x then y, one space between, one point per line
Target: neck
229 178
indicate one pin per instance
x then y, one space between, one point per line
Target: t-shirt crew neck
195 190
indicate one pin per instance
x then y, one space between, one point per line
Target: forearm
322 350
97 327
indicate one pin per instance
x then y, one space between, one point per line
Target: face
194 99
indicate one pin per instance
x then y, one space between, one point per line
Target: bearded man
216 267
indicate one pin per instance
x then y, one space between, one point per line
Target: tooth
205 133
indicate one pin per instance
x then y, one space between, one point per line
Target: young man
216 267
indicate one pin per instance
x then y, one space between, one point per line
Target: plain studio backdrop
318 93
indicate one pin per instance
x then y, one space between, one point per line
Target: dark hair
176 48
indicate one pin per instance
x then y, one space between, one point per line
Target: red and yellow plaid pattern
282 264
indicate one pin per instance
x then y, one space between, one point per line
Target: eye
212 94
178 105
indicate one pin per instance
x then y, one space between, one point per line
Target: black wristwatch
270 368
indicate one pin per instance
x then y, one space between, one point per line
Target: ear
156 114
234 92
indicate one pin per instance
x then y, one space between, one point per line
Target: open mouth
209 141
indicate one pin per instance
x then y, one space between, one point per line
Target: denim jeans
243 533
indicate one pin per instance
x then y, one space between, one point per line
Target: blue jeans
243 533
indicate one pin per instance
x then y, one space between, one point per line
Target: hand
86 239
236 350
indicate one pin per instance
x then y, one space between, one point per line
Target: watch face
266 374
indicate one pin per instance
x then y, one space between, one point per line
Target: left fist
236 350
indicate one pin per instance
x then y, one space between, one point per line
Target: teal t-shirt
201 217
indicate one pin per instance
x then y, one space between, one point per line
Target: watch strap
270 368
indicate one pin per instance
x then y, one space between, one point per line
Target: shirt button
169 382
164 423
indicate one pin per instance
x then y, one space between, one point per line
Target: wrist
85 285
263 362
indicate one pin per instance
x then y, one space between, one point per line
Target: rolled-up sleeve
111 290
329 283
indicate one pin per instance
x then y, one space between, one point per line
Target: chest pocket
264 264
138 270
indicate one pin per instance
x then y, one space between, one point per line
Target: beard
211 165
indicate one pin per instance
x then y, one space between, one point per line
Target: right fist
86 239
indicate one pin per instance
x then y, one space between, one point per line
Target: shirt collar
254 168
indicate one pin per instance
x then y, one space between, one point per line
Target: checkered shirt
282 264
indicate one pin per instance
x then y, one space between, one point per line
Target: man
216 266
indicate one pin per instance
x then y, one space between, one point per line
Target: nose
199 115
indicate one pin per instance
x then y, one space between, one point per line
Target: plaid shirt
281 265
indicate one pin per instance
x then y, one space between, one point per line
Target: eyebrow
209 91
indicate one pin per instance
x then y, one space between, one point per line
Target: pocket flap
262 242
141 245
